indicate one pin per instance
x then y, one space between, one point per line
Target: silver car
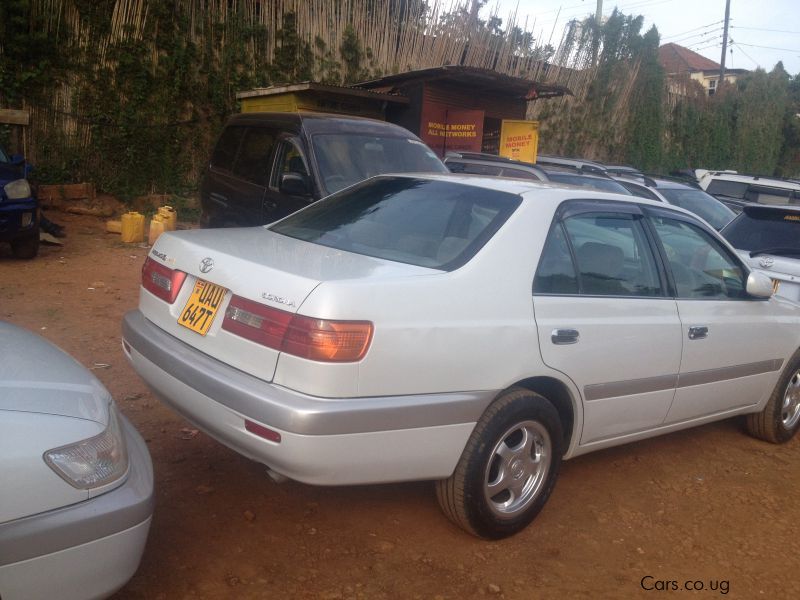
76 481
472 331
767 237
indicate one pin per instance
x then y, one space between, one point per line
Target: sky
762 32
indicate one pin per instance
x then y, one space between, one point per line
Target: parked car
768 238
737 189
268 165
19 209
682 194
76 496
475 163
467 330
593 181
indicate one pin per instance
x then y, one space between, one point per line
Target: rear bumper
328 441
87 550
11 220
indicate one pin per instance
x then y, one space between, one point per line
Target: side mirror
295 184
759 285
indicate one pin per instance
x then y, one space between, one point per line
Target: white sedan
76 481
471 331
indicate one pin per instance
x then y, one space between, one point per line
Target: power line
770 48
745 53
667 37
697 35
770 30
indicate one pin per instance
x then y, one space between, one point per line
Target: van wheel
780 419
27 247
508 468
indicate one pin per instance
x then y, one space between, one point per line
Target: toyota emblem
206 265
766 261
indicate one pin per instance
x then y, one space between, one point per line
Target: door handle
564 336
698 332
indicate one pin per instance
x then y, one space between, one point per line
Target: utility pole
599 14
724 44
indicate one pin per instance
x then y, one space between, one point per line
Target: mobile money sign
444 129
519 140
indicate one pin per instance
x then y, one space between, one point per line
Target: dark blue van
19 209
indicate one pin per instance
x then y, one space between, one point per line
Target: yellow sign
519 140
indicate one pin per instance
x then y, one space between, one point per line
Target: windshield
757 230
436 224
595 183
697 201
347 158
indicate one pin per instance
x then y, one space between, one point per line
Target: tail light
162 281
315 339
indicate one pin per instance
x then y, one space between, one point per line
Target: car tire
507 469
780 419
27 247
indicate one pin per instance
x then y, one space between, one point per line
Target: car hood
38 377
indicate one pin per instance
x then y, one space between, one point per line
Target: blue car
19 208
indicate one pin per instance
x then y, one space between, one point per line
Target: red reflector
162 281
261 431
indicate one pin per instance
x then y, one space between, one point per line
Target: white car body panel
24 442
616 342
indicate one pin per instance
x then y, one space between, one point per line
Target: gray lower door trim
613 389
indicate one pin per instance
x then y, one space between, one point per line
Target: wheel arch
559 394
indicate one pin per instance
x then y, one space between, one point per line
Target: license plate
202 306
776 283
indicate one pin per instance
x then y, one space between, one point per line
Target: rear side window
253 161
227 147
609 254
436 224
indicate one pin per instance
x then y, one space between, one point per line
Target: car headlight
93 462
18 189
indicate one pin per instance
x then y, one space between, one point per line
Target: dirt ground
709 509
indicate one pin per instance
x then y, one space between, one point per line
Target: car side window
556 273
700 265
227 147
252 164
290 160
612 257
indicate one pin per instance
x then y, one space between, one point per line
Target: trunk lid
256 264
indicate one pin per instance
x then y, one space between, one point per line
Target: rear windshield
764 230
347 158
436 224
697 201
604 185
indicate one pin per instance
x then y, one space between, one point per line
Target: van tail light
315 339
162 281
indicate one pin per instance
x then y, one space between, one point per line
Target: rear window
347 158
697 201
762 229
436 224
732 189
